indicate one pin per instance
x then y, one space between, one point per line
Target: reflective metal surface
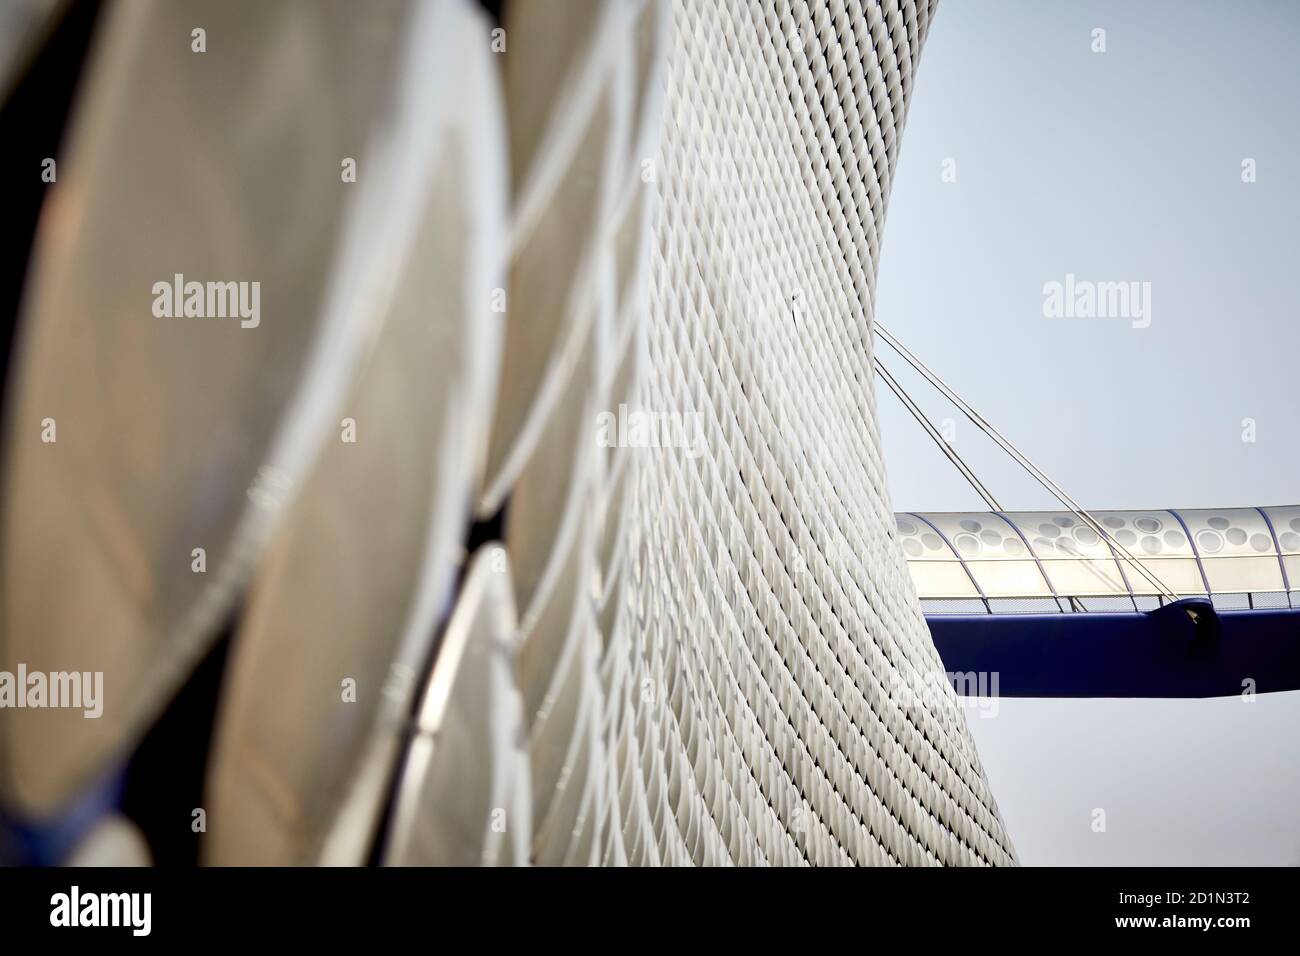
464 795
340 623
135 433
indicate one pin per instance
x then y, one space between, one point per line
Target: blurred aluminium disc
24 25
342 614
464 795
204 282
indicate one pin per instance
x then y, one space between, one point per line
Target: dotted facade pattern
769 592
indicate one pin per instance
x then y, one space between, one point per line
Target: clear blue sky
1115 166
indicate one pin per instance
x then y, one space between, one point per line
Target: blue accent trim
957 554
48 842
1162 653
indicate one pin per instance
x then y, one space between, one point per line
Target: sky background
1117 166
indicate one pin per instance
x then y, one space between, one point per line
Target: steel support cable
980 488
969 474
949 452
1059 493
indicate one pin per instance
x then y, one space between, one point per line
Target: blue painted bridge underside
1158 654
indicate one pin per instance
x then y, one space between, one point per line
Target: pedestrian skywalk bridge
1051 562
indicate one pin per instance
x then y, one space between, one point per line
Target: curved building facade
541 506
766 576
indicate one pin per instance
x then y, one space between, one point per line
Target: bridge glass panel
1286 524
994 555
1077 560
1236 549
1028 562
1157 539
936 569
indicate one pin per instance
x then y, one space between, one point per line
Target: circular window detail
1086 536
1043 546
1148 524
1126 538
912 548
972 526
967 544
1151 544
1295 524
1219 523
1235 536
1048 530
1209 542
1064 521
932 542
991 538
1261 542
1175 539
906 527
1113 522
1290 541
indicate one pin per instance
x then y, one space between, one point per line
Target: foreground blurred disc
464 794
205 277
341 616
24 25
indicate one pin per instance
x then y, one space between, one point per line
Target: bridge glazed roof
1051 561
